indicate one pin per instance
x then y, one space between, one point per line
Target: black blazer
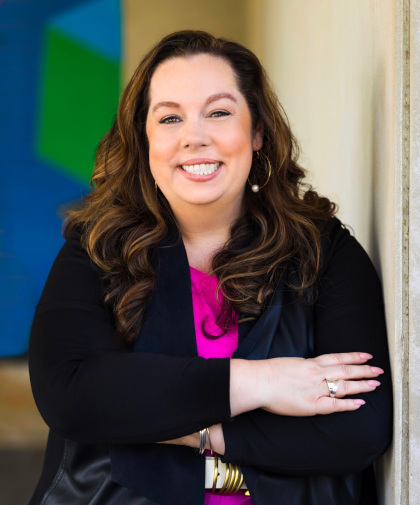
303 461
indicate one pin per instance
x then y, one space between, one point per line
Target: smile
202 168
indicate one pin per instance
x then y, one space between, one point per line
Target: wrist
217 439
248 379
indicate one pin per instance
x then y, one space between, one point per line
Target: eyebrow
210 99
219 96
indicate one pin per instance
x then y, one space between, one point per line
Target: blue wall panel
33 193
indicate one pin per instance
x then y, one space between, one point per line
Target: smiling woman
209 333
201 145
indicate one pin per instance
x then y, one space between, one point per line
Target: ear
257 140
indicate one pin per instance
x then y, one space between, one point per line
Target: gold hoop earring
255 187
156 187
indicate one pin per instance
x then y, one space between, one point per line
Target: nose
194 134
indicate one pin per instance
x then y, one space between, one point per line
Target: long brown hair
124 219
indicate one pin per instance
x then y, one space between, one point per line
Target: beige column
145 22
333 65
414 257
342 72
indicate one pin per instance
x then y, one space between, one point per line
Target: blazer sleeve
348 316
89 388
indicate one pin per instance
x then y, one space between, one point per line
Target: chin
201 201
201 198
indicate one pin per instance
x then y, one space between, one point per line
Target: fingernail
359 402
373 383
365 355
377 370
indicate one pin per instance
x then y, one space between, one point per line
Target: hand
293 387
297 387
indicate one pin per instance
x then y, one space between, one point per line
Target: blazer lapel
168 322
159 472
255 337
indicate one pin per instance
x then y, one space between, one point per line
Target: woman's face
200 134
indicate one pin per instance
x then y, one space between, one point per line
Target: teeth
202 169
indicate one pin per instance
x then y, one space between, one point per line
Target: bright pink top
206 308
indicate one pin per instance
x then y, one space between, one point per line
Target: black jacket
106 405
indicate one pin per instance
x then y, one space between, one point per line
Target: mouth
202 168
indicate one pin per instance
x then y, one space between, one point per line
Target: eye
169 120
219 113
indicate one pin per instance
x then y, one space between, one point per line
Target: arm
84 380
348 317
89 388
293 387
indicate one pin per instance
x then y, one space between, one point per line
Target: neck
204 231
200 222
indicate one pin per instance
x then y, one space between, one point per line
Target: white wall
332 64
414 258
146 22
337 68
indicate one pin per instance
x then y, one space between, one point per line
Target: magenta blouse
206 308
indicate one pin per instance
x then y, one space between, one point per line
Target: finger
326 405
347 388
343 358
352 372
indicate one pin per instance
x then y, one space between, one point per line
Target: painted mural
59 86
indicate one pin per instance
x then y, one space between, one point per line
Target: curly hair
124 219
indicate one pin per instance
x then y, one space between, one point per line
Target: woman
199 240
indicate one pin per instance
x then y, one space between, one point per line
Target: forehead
200 74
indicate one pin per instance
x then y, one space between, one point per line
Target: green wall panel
80 92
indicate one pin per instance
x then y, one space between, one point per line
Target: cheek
239 140
241 145
158 153
160 146
160 158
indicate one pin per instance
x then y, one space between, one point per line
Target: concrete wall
340 69
332 62
146 22
414 257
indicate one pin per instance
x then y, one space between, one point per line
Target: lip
199 161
